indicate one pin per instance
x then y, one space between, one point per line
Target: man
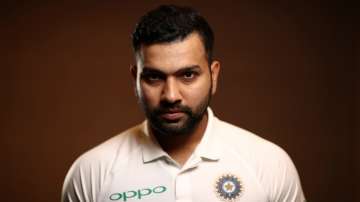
182 152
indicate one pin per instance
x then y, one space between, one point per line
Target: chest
222 180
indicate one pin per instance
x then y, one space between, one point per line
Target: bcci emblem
228 188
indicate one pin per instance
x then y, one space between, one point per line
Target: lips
172 115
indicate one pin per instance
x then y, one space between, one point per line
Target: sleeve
80 184
86 178
284 184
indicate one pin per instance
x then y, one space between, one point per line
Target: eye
152 77
189 75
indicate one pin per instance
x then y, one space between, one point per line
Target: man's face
174 84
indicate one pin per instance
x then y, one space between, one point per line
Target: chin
175 129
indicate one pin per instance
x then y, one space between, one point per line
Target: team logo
228 188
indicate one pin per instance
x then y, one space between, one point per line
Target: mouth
172 116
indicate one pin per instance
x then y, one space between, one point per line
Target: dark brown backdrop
288 74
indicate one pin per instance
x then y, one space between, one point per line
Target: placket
183 183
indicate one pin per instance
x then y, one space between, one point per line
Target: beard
185 125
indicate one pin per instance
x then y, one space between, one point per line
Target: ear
133 71
215 69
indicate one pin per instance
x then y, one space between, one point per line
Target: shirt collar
207 149
151 149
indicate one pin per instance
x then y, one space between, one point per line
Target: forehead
171 56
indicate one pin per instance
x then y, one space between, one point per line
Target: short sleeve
81 183
284 184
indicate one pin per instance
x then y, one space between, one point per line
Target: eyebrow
148 69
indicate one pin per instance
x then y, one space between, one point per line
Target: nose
171 91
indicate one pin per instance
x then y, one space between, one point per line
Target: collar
151 149
207 148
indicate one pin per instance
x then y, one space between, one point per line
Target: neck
181 147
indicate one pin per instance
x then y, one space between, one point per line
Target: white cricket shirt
229 164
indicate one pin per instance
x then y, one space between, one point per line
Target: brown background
289 73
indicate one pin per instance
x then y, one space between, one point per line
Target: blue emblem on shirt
228 188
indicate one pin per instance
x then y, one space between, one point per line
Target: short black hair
168 23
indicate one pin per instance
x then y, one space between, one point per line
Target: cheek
196 92
149 94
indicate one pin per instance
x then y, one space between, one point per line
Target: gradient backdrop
289 74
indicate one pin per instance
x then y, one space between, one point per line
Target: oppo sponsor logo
137 194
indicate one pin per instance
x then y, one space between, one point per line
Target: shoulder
272 166
106 151
256 151
90 170
246 143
